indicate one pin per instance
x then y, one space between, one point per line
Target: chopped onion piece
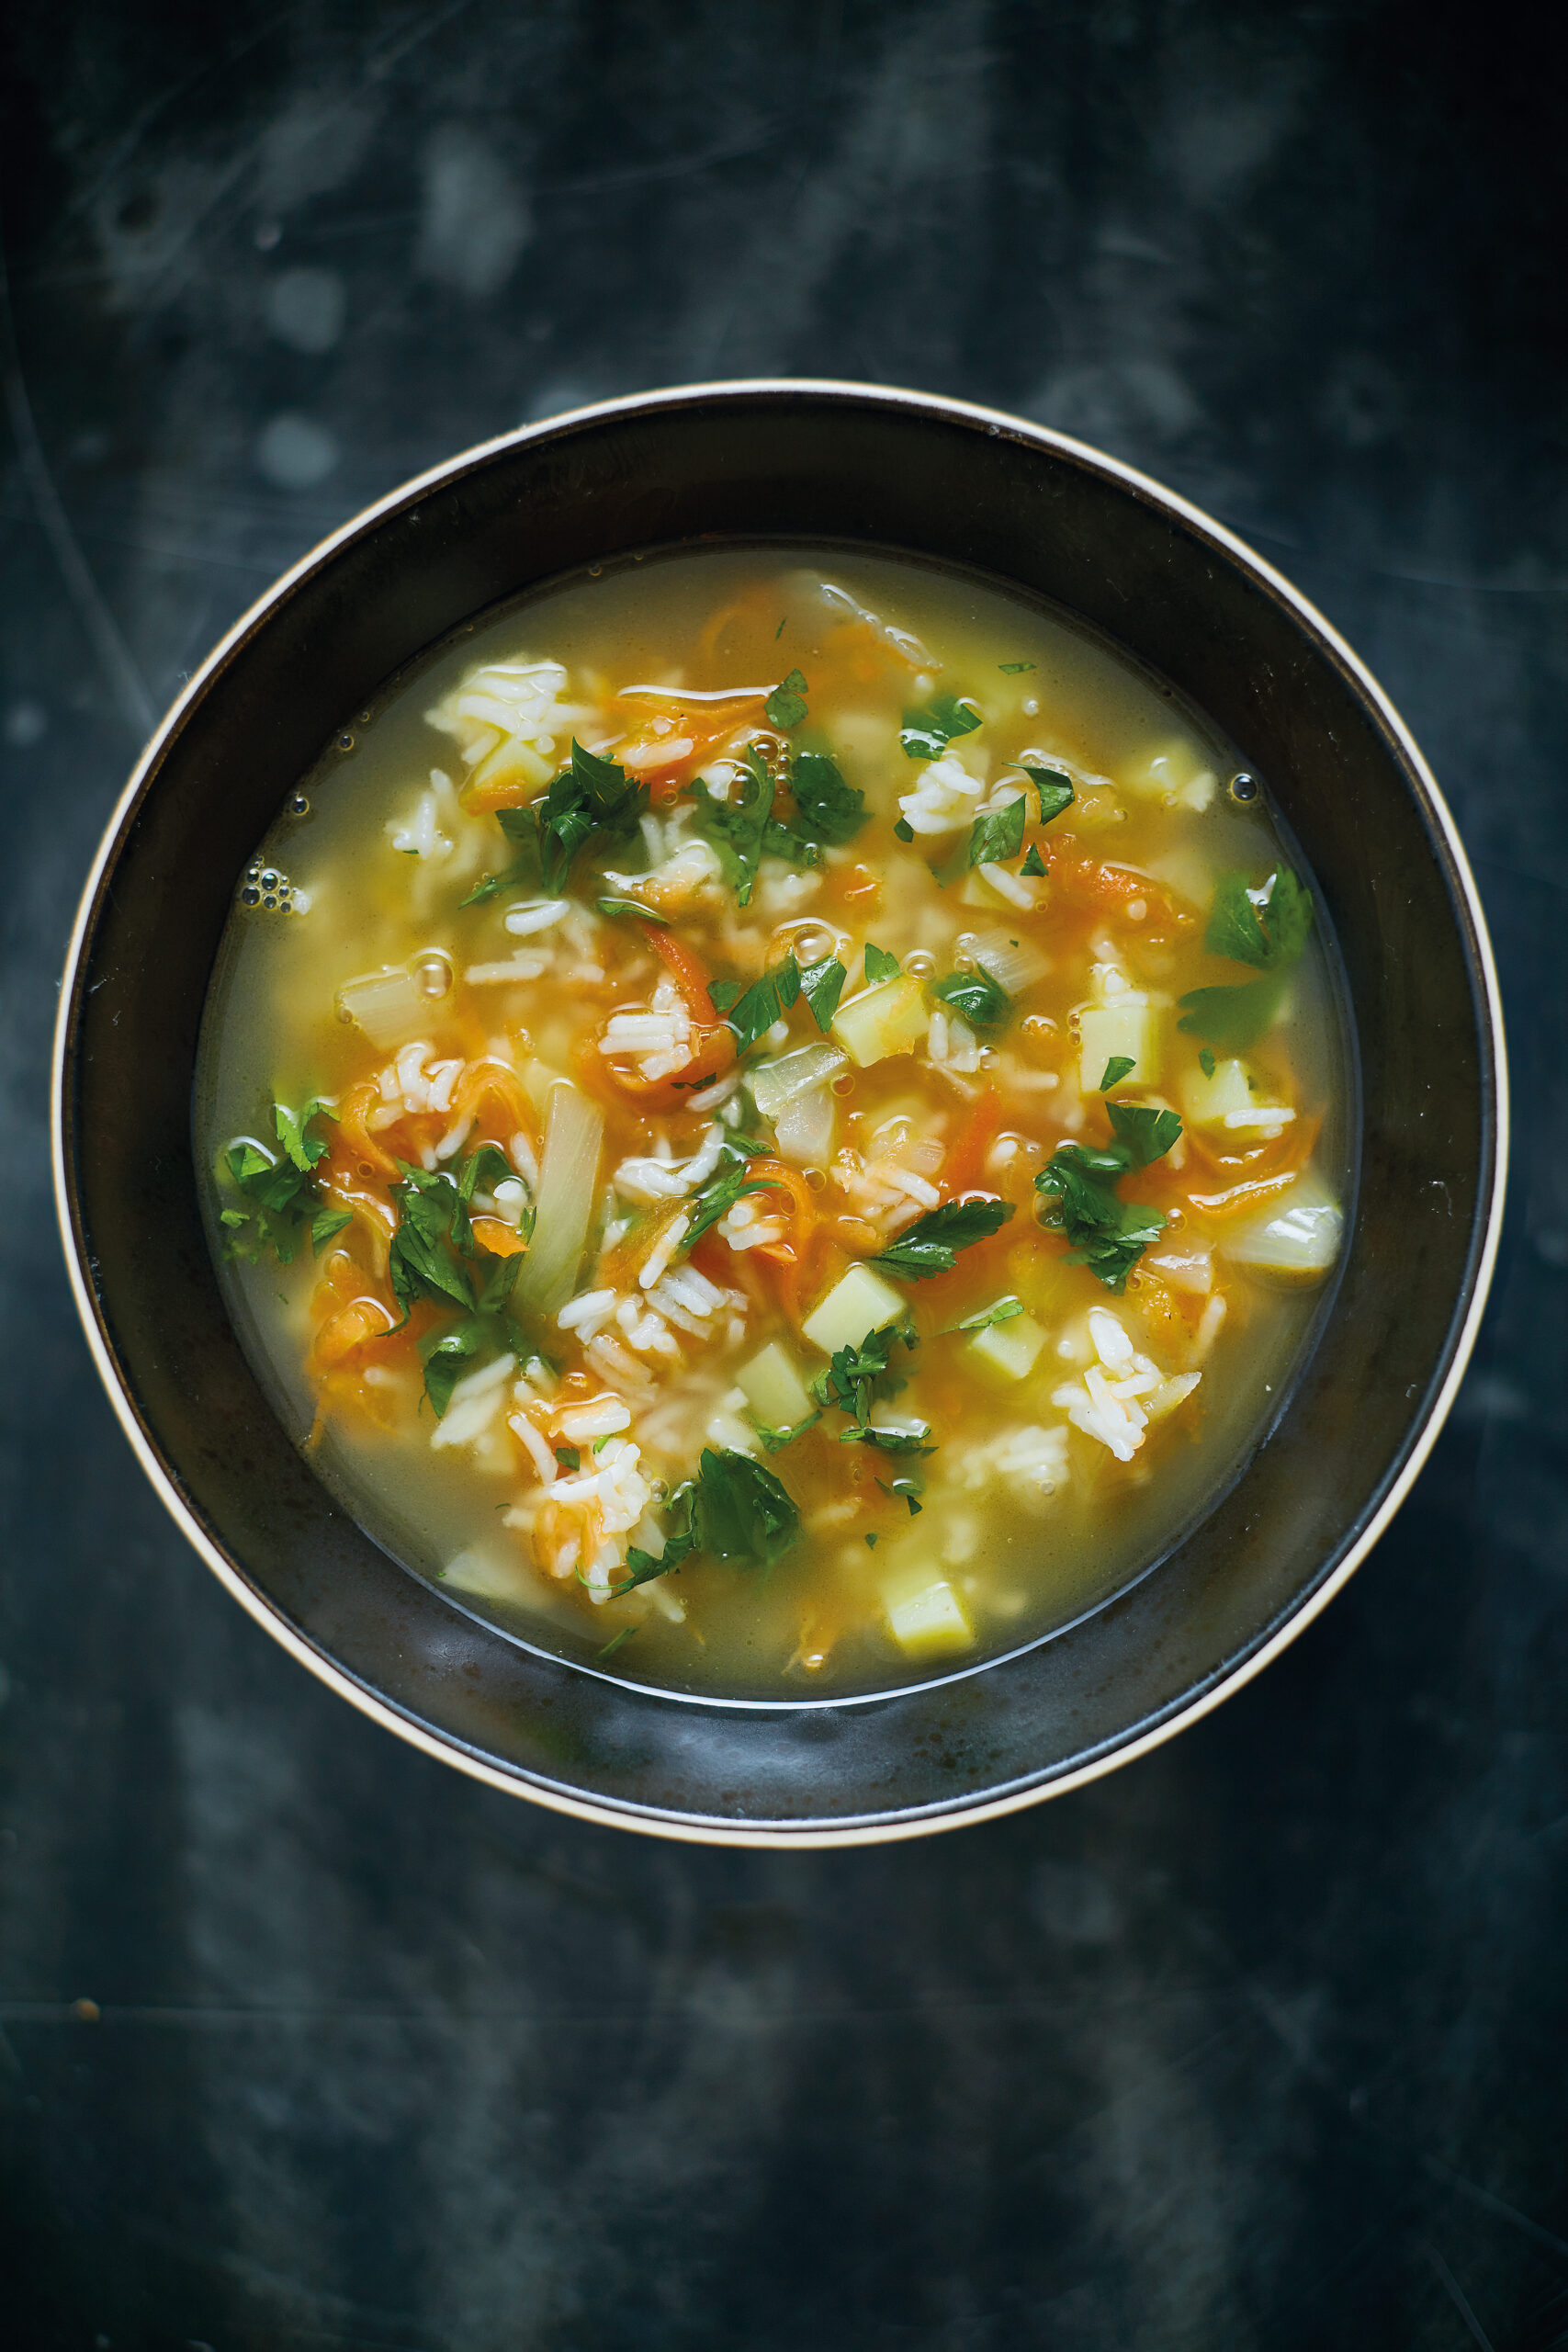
1294 1239
775 1083
804 1128
1015 963
568 1178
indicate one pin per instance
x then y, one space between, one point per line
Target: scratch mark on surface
102 631
1493 2204
1456 2295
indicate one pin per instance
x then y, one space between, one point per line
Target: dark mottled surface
1260 2042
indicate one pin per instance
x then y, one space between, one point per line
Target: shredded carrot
353 1113
489 1079
350 1327
966 1164
502 1240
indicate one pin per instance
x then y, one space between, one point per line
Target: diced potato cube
774 1389
1011 1348
889 1018
925 1614
858 1303
1210 1102
1175 775
1107 1032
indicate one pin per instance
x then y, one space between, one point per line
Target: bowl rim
609 1812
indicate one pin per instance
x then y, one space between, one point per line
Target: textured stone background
1258 2043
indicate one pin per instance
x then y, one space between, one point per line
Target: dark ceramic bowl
891 469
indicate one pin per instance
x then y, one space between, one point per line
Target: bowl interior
833 465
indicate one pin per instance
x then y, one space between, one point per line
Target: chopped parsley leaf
1115 1070
738 829
483 1170
871 1542
902 831
734 1510
982 1000
856 1376
1266 928
280 1196
997 834
569 1457
616 1642
822 985
879 965
786 706
1206 1062
1013 669
612 907
826 809
932 1244
718 1195
1000 1310
887 1441
1055 791
766 1000
926 733
1108 1235
1033 862
774 1440
907 1486
592 798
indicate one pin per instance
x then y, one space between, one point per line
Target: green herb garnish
1055 791
880 965
774 1440
612 907
734 1510
590 799
902 831
857 1375
766 1000
280 1196
720 1195
786 706
822 985
926 733
1033 864
1001 1310
1267 929
1206 1062
602 1658
932 1244
826 809
997 834
982 1000
1013 669
1115 1070
1108 1235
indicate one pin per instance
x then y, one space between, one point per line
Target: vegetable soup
776 1120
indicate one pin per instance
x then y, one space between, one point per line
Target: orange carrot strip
353 1113
502 1240
966 1164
